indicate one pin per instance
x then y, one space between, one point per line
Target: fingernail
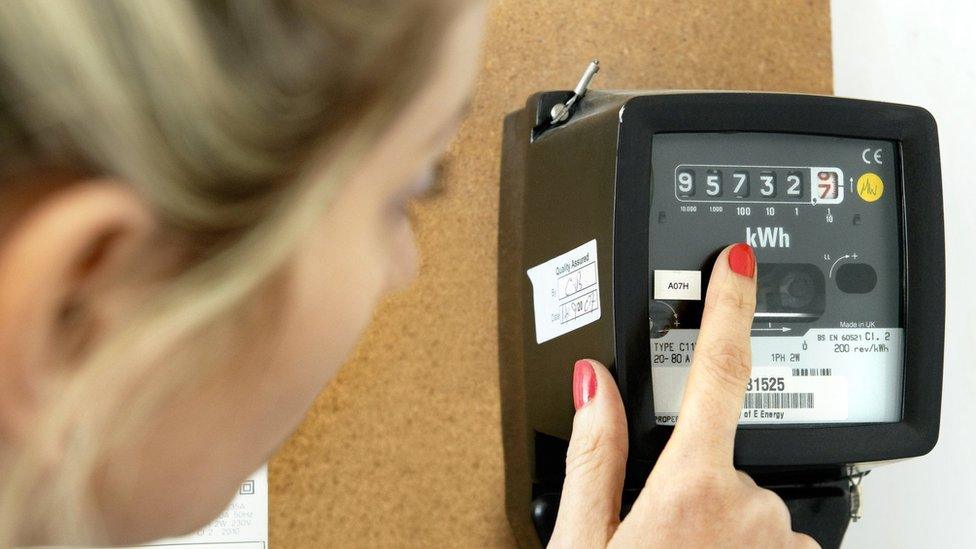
742 260
584 383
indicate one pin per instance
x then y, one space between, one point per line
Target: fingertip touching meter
613 207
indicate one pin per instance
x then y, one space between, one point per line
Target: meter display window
823 216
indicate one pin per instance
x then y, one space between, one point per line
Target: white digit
685 182
769 186
794 181
711 181
740 180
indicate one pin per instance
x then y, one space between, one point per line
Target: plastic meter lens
822 214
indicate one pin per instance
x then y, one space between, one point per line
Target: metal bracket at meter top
561 112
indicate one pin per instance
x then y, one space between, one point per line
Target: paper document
243 525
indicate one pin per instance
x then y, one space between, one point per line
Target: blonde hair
213 110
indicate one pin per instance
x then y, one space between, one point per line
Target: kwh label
768 237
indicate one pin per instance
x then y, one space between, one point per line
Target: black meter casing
591 179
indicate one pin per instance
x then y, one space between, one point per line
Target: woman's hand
694 497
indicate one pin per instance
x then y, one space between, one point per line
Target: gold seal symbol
870 187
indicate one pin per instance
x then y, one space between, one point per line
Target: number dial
778 184
713 183
686 183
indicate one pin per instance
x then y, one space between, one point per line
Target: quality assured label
565 292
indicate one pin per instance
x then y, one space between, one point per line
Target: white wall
924 53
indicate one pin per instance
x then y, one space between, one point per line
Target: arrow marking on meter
673 312
783 329
830 273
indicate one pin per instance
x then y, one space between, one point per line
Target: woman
202 203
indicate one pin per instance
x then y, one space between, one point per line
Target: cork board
404 447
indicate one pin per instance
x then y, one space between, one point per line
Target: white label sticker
242 525
684 285
774 395
827 375
565 292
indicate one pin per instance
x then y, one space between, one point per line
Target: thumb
589 509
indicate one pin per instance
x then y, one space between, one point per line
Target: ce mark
868 154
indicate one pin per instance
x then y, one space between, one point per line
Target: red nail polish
584 383
742 260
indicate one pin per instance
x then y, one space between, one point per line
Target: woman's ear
63 253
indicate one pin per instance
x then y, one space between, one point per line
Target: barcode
783 401
812 372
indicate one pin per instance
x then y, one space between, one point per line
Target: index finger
722 361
